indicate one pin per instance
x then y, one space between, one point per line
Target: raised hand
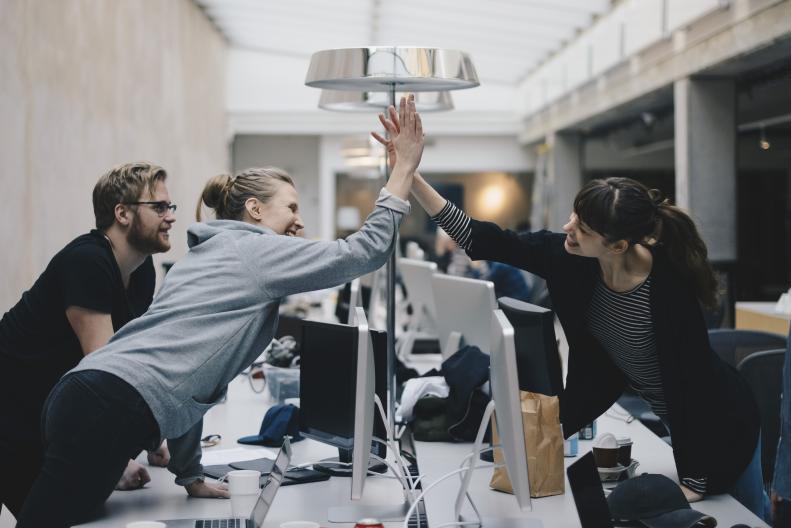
388 143
406 134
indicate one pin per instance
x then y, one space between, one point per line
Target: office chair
763 372
733 346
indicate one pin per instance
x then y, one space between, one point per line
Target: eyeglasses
160 208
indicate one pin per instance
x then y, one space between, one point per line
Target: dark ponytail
687 252
624 209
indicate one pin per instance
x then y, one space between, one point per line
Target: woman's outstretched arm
481 240
293 265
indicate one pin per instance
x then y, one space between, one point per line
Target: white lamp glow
492 199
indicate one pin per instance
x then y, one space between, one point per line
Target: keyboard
220 523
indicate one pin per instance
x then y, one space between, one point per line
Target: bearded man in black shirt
88 291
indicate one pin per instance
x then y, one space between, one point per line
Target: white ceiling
505 38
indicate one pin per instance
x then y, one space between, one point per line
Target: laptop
588 493
261 508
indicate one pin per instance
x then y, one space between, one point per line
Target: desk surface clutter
241 415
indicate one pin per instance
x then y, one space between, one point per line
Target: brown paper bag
543 444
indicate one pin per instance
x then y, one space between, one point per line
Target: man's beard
145 242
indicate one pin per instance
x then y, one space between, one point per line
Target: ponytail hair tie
657 199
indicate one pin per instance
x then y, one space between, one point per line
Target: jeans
749 487
93 423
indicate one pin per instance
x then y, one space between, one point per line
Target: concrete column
705 140
564 176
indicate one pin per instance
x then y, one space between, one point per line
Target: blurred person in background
508 280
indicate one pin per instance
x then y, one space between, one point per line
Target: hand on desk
690 495
160 457
135 476
203 489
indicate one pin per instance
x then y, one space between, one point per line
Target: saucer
619 472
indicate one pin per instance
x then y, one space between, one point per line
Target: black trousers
20 460
93 423
783 515
23 389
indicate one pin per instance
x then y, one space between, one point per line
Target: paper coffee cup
243 482
242 505
244 488
624 450
605 457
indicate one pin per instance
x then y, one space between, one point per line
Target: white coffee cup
146 524
243 487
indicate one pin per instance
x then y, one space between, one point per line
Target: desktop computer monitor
417 275
364 406
379 342
352 295
537 358
507 406
463 306
338 380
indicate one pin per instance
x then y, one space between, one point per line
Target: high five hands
406 134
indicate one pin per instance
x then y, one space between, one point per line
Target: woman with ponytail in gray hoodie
216 311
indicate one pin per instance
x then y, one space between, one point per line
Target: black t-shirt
37 343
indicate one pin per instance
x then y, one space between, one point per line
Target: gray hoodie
217 310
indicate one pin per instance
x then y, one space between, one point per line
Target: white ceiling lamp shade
345 101
385 68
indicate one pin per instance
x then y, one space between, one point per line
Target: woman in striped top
627 280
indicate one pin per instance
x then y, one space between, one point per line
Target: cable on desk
439 480
394 447
399 475
461 481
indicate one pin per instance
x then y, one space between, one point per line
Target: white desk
499 510
242 414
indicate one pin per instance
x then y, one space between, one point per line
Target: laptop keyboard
220 523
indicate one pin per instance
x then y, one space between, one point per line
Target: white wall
84 86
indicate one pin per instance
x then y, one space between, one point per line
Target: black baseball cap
656 502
